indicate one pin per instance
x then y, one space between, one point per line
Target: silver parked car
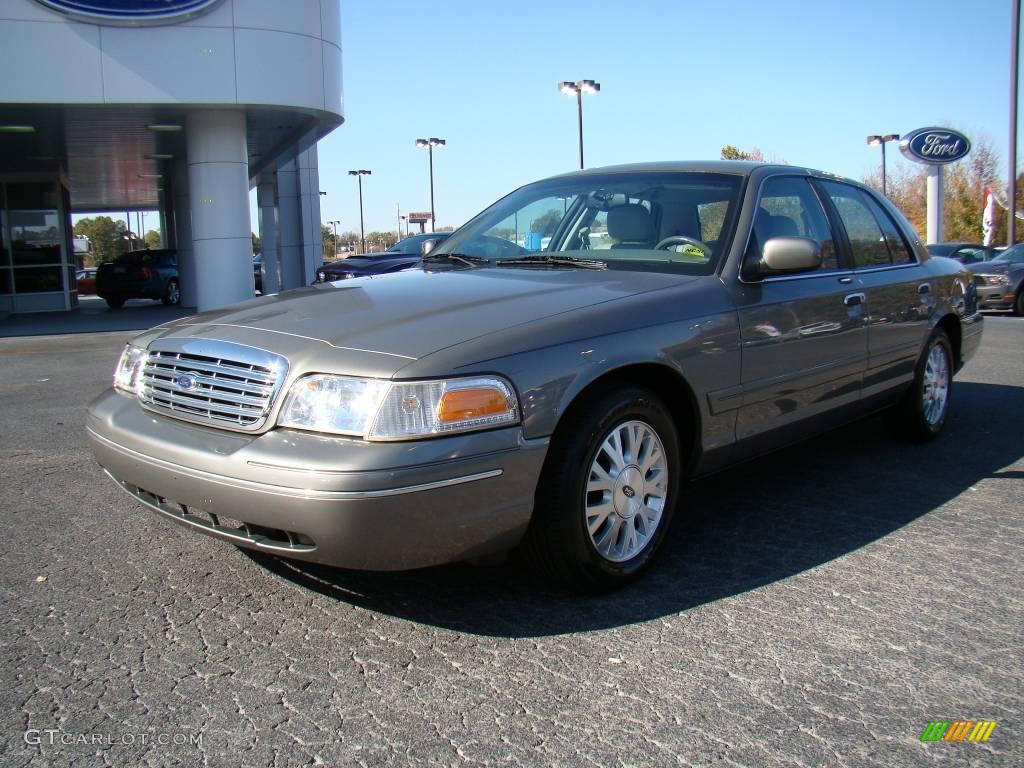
549 377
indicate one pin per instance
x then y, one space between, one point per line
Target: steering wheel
683 239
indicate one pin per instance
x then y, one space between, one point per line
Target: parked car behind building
557 399
147 274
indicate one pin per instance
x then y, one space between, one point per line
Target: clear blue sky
804 81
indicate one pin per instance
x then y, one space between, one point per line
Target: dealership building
178 106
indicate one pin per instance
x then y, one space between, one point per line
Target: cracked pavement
824 604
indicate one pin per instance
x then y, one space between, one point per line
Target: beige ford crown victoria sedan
549 377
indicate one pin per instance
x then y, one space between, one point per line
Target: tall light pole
430 144
875 141
583 86
334 226
1011 188
359 177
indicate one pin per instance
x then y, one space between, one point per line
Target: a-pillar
265 199
218 172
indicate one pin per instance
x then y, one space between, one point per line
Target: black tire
914 417
558 540
1018 304
172 294
115 302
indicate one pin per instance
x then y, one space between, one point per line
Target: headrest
630 223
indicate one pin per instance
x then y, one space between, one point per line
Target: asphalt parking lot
828 602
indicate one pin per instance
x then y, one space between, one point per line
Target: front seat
630 226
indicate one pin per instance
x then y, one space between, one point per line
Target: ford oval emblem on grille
186 381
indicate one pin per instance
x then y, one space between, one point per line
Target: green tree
327 241
106 236
152 239
729 152
257 246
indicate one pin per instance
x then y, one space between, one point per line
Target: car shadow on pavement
752 525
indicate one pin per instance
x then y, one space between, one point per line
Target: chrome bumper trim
280 490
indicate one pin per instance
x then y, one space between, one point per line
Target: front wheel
608 490
1018 305
115 302
922 413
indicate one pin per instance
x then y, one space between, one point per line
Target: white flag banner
1000 199
988 219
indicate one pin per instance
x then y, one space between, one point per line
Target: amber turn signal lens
462 404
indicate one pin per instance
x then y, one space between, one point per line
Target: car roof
733 167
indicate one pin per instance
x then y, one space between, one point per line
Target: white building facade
179 106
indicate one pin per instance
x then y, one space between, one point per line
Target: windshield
677 222
1016 253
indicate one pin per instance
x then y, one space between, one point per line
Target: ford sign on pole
130 12
935 147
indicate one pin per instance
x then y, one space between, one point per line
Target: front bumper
995 296
338 501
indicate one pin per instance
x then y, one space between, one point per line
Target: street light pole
334 226
877 140
430 144
569 87
362 229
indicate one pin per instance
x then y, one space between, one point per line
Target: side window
868 243
790 208
970 255
898 248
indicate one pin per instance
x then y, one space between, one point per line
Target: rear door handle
853 299
924 288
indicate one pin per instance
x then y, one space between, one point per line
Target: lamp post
359 177
583 86
334 226
430 144
881 140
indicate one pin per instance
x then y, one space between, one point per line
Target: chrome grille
215 383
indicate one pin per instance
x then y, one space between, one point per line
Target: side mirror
786 255
428 245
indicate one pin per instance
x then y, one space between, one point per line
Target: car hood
385 322
991 267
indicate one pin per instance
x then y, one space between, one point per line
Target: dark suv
402 255
150 274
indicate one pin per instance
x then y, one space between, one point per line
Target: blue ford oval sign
130 12
935 146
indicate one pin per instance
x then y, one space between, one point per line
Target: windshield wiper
547 260
462 258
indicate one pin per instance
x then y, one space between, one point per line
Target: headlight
321 276
382 410
997 279
129 369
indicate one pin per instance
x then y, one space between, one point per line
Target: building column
183 232
289 222
218 172
309 204
265 199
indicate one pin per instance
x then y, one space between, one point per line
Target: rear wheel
115 302
606 496
922 412
1018 305
172 294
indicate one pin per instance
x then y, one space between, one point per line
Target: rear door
804 336
898 291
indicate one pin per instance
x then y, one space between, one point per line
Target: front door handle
924 288
853 299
